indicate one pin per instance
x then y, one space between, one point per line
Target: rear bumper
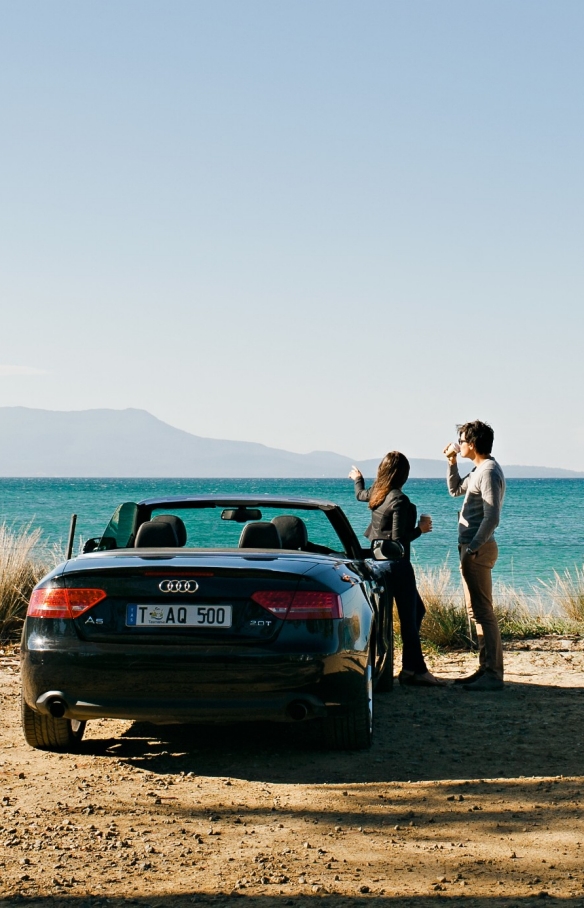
199 687
290 707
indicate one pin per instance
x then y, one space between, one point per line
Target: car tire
354 729
49 733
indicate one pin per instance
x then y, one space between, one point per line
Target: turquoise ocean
542 529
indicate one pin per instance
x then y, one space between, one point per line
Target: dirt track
477 798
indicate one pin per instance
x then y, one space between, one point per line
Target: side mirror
99 544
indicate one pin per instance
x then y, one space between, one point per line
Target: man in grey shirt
483 490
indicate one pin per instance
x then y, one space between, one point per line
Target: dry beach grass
23 561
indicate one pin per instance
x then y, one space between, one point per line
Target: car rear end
213 637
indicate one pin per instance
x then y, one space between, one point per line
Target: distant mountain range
132 442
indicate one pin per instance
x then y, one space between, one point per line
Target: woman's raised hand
355 473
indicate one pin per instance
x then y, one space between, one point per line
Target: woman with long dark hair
391 531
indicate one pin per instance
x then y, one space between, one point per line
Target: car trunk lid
202 599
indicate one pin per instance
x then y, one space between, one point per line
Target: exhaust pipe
57 708
297 710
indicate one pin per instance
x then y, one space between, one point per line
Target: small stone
364 889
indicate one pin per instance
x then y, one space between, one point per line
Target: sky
340 225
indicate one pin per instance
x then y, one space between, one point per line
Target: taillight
301 605
61 603
275 601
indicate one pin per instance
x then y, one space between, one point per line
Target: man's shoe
470 678
485 682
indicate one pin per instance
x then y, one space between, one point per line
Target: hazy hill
135 443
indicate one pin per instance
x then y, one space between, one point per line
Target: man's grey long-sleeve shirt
484 490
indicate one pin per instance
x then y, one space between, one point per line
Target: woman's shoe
411 679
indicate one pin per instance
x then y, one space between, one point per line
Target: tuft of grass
523 616
520 615
445 623
22 564
567 594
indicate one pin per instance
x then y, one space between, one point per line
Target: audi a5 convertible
210 609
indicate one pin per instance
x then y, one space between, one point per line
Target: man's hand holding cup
451 450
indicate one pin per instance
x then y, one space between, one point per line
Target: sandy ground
476 799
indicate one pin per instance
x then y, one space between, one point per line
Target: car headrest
177 524
292 530
156 534
260 535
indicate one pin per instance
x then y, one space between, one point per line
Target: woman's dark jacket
395 518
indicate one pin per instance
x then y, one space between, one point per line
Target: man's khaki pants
477 581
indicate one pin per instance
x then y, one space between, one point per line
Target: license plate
178 616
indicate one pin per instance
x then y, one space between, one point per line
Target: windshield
119 532
309 530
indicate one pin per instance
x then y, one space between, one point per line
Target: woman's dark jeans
411 610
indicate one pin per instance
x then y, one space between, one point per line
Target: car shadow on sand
218 900
421 734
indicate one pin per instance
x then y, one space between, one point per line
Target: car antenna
72 526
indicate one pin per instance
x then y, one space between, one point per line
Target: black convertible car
210 609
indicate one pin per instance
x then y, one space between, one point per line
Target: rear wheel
49 733
354 730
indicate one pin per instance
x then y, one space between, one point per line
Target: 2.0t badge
178 586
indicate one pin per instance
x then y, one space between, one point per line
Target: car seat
156 534
177 524
292 530
260 535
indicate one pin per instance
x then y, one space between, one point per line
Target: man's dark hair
479 434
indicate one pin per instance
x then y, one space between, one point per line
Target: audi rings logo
178 586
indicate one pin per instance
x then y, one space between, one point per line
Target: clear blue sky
316 224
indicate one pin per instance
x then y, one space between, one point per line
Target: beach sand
476 799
